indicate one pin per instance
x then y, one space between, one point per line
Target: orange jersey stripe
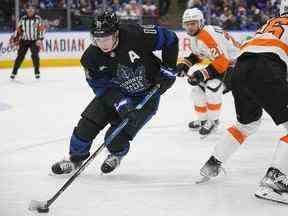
266 42
238 135
202 109
284 139
221 63
214 107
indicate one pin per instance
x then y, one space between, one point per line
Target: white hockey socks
230 142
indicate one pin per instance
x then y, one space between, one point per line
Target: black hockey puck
42 210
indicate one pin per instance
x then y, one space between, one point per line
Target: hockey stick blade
39 206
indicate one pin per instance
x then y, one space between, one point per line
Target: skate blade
64 175
202 180
269 194
194 130
214 131
204 136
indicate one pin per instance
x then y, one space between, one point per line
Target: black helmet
105 23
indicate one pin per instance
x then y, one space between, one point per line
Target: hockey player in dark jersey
121 69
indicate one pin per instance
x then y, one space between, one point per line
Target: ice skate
37 76
196 124
110 163
208 128
12 76
64 166
274 186
211 169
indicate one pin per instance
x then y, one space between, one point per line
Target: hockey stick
43 206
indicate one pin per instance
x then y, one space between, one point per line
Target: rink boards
66 48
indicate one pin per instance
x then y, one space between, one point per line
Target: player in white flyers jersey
260 81
220 49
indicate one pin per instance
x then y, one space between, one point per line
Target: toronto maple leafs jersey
131 66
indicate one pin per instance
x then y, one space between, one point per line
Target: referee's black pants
24 45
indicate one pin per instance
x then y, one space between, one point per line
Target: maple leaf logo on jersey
132 80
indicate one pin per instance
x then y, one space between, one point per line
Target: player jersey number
215 52
274 26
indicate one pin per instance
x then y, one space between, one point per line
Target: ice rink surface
156 178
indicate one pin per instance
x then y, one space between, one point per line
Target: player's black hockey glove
167 78
181 69
198 76
126 108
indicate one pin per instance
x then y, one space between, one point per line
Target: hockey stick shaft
103 145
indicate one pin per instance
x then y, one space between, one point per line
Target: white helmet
284 7
193 14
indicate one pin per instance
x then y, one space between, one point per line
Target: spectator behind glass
136 8
75 4
242 18
61 4
48 4
249 3
255 17
115 5
85 7
195 3
231 23
149 8
225 16
127 11
121 11
96 4
262 5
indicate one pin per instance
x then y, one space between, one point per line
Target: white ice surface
156 178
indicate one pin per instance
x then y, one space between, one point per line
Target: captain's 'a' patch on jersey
133 56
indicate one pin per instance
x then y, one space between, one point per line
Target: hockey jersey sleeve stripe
200 109
207 39
220 63
214 107
285 139
266 42
240 137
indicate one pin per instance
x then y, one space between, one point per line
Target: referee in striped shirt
29 34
